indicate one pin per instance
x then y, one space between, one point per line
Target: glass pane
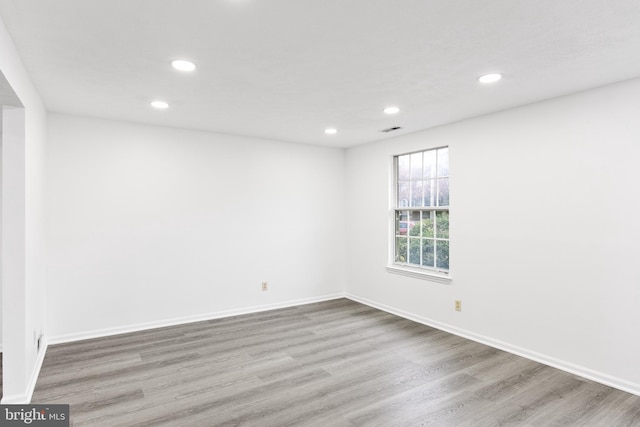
401 223
416 166
427 224
442 254
414 223
416 193
428 256
429 164
443 162
443 192
428 193
403 194
442 225
403 168
414 251
401 249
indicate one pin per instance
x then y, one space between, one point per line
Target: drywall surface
23 225
544 231
1 227
149 224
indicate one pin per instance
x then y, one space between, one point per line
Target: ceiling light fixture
160 105
490 78
331 131
391 110
183 65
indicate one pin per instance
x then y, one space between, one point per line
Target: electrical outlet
265 286
458 305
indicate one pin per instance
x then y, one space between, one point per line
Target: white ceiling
287 69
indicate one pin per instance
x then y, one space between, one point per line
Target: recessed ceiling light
160 105
490 78
331 131
183 65
391 110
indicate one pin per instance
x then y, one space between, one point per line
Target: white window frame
420 272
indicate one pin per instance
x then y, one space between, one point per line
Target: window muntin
421 232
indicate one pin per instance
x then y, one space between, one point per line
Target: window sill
419 274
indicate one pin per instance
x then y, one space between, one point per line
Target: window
421 211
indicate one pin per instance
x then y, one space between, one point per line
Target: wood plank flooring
335 363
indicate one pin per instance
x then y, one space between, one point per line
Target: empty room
320 213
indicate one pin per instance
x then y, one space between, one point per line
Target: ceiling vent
391 129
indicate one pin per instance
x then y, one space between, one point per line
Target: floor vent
391 129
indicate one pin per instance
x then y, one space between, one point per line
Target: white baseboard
25 399
16 399
581 371
66 338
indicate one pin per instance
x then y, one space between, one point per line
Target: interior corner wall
1 311
149 225
544 231
24 249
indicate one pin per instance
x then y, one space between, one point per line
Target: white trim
419 274
79 336
25 399
571 368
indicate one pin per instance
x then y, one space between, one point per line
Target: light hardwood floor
335 363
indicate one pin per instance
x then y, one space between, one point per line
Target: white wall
23 238
544 231
149 224
1 231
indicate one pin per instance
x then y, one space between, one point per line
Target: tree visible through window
421 234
